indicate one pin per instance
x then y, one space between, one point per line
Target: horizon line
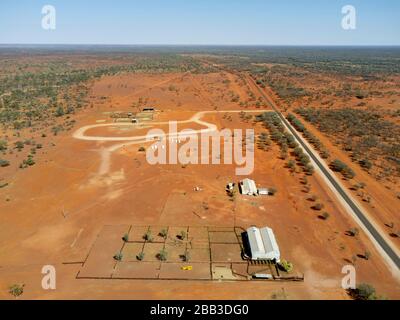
198 45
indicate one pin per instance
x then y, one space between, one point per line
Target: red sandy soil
57 208
384 204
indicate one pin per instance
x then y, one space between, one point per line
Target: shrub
365 291
325 154
304 159
125 237
348 173
140 256
16 290
291 164
286 265
182 235
309 169
29 161
142 149
325 215
3 145
318 206
59 111
162 255
163 233
148 236
367 255
4 163
19 145
118 256
353 232
365 163
186 256
341 167
338 165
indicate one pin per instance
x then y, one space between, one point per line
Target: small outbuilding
263 191
262 244
248 187
148 109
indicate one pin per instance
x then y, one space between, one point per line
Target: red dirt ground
57 208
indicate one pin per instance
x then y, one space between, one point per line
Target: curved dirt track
80 133
105 153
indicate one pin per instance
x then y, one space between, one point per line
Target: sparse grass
280 295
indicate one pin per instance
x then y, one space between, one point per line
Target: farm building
148 109
262 244
263 191
248 187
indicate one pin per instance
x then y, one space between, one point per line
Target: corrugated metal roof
248 187
263 244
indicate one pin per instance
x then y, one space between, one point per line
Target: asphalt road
364 220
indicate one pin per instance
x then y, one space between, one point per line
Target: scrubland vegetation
369 139
285 140
41 91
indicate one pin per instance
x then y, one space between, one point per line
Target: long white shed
263 244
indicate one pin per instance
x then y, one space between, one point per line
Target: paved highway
368 225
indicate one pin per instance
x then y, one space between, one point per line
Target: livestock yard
89 203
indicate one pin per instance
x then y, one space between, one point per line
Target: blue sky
225 22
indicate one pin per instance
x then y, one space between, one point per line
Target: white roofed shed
248 187
263 244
